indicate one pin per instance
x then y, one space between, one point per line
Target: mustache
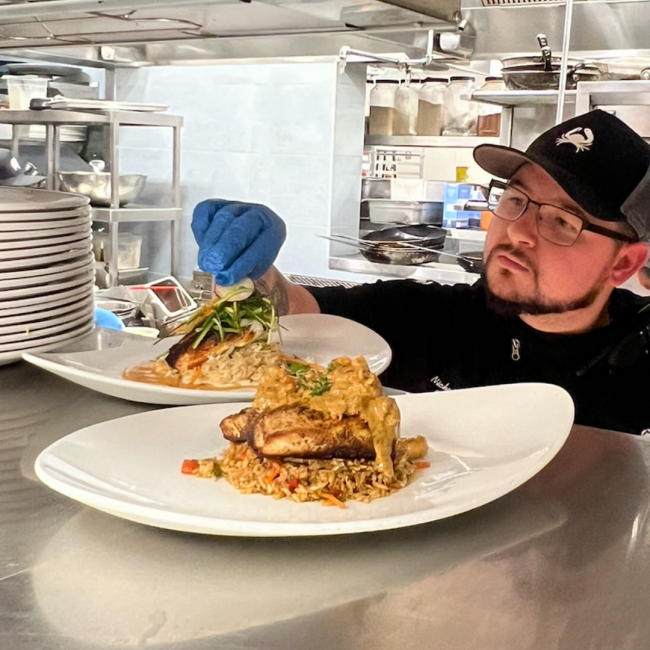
517 253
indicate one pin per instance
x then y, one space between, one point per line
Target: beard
537 304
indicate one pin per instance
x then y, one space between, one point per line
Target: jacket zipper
516 346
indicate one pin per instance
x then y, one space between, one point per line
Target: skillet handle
547 58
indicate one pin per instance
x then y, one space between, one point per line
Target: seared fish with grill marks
303 433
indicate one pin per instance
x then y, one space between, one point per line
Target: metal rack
113 120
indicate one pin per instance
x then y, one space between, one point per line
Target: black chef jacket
446 337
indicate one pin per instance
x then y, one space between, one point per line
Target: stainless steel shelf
61 117
443 273
513 98
135 213
428 141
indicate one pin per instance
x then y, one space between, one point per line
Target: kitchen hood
164 31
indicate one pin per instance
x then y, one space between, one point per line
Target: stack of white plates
46 270
67 133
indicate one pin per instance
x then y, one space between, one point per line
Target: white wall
288 135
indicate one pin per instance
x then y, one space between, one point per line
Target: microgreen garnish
222 316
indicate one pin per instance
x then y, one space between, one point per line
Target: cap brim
500 161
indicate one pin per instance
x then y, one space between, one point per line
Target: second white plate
313 336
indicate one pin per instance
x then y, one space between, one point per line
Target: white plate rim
45 274
41 290
11 356
232 527
28 263
55 229
22 217
46 333
68 304
30 246
65 314
36 200
26 305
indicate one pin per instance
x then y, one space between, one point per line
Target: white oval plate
15 341
46 312
484 442
44 216
18 297
317 336
31 277
47 343
40 246
68 253
13 231
23 199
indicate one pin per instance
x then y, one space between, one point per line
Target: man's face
535 276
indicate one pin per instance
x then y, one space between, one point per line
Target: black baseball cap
599 161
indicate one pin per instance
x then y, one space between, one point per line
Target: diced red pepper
293 483
189 466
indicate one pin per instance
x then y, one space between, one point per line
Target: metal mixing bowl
97 186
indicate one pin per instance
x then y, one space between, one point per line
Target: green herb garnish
222 316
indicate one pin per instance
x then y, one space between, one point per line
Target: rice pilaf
331 482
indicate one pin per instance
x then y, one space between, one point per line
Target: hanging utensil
547 55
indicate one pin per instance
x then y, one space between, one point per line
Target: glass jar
431 106
488 122
406 109
382 107
460 111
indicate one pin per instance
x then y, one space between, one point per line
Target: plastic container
129 247
431 106
411 212
382 107
460 112
406 110
23 88
488 123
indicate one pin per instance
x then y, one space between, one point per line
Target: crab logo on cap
580 138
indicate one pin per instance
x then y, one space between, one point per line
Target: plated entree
316 434
226 344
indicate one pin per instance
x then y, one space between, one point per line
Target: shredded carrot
423 464
273 474
333 500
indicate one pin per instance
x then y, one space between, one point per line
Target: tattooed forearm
276 288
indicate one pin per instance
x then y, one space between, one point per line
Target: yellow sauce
354 390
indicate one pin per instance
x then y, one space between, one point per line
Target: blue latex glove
236 240
107 319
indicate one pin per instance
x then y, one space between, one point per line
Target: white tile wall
287 135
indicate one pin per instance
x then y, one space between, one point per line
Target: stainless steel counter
561 563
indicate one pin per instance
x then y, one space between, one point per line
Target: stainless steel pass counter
561 563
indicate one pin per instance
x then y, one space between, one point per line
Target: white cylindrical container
406 109
460 111
382 107
431 106
23 88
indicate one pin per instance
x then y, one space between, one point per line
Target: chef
572 224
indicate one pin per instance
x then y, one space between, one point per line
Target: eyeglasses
554 224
